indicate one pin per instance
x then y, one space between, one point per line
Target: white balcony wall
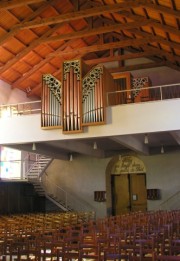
122 119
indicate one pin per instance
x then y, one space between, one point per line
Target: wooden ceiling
36 36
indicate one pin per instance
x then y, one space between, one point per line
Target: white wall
11 96
121 120
85 175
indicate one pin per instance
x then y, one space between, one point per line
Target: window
10 163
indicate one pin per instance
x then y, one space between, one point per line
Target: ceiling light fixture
34 146
71 157
162 149
95 146
146 140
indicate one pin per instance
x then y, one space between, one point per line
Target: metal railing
68 200
17 109
155 93
173 202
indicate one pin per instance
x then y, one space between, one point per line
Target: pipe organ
72 100
76 102
141 92
122 84
51 106
93 97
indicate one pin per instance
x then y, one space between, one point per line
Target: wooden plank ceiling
37 35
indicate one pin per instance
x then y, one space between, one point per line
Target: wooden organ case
51 106
141 91
78 101
95 85
72 98
122 85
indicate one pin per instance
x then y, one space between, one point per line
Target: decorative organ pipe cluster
51 102
77 101
72 100
93 105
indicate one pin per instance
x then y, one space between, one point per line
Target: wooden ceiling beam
79 14
38 66
152 22
13 31
172 58
120 44
141 67
56 74
88 62
27 50
94 31
16 3
121 57
160 8
158 39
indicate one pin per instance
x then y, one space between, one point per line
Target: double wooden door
128 193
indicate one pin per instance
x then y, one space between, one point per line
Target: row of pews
153 235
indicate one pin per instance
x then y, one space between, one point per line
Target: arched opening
126 185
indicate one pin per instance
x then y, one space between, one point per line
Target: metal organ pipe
71 96
51 102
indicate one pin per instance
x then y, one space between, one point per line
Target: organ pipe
72 112
51 107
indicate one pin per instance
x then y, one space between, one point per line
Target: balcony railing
17 109
155 93
145 94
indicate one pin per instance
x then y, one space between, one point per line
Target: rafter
13 31
27 50
135 17
122 57
95 31
143 66
39 65
78 15
17 3
159 8
124 43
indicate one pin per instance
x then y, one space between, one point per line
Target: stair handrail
67 199
37 158
170 198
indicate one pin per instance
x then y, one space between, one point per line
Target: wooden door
138 194
121 195
128 193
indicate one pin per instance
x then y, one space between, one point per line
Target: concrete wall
84 175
